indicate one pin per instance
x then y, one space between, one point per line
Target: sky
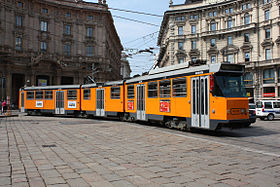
132 33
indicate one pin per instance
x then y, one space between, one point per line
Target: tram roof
184 69
52 87
112 83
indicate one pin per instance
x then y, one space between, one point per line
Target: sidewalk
12 113
41 151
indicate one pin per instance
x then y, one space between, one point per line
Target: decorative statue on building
104 2
99 1
170 3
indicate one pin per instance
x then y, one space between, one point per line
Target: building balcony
229 30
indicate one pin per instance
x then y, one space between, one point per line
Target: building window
266 1
87 94
229 40
268 76
246 37
267 54
45 10
229 23
247 19
248 6
267 33
181 60
39 95
20 4
248 78
67 29
19 21
210 14
213 42
213 59
230 10
179 87
214 13
278 77
244 7
165 88
247 56
71 94
193 59
180 45
48 95
180 18
89 50
67 49
90 32
180 30
130 92
226 11
230 58
213 25
193 17
152 90
193 44
44 46
193 29
18 43
68 15
267 15
90 17
44 26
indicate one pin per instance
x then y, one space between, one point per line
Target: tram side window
72 95
39 95
152 90
30 95
179 87
165 88
130 92
87 94
48 95
115 93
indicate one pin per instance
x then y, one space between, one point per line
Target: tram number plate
165 106
130 105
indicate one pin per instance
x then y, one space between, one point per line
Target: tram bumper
236 123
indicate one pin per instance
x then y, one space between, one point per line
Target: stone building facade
237 31
54 42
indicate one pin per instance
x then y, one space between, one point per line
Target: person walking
4 106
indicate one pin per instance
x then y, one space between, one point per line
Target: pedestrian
4 106
1 107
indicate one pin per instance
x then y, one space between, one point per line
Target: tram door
200 102
22 101
59 102
100 102
141 108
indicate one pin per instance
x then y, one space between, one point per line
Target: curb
16 115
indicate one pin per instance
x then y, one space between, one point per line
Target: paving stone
5 180
77 182
122 183
36 182
54 180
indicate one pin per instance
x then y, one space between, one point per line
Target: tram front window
229 86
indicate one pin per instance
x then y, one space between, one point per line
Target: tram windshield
229 86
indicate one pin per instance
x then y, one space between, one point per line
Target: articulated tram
207 97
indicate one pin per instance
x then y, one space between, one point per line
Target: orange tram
207 97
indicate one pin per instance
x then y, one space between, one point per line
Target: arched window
247 19
213 25
229 23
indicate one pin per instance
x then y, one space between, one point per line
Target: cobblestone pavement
41 151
